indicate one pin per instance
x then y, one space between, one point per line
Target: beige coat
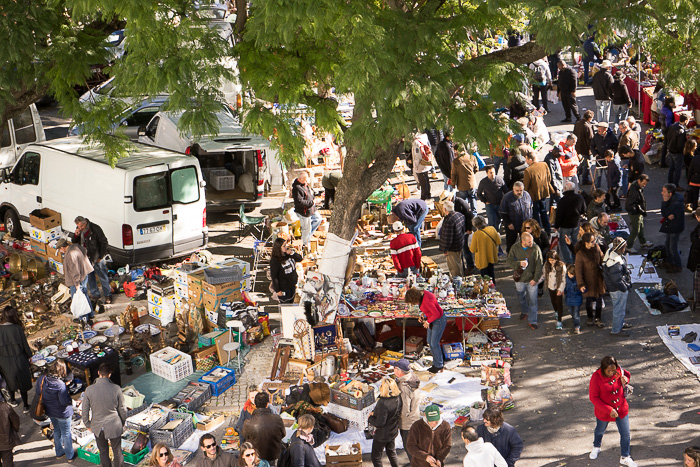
538 181
464 171
76 265
629 138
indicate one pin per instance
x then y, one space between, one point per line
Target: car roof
143 156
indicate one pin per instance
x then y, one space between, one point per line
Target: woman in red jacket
607 392
435 322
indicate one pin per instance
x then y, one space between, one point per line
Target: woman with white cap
618 281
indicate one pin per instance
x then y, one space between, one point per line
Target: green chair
257 222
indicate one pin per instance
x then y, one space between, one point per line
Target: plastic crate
357 419
453 351
222 180
172 372
81 434
136 410
195 395
144 428
132 402
134 459
88 456
175 437
223 384
351 402
216 276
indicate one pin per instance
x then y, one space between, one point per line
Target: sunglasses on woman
163 454
250 454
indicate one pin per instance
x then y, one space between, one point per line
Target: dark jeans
693 193
540 214
7 459
489 271
538 91
557 303
404 439
100 273
674 256
598 307
470 197
568 101
328 198
613 198
511 238
675 167
103 445
424 183
378 448
584 171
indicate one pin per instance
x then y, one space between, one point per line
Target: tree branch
22 98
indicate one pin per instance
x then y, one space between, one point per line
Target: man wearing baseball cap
405 251
429 440
602 91
410 400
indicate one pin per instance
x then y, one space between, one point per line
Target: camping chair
233 345
256 221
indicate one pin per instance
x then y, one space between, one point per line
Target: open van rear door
150 221
188 206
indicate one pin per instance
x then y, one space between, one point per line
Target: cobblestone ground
257 366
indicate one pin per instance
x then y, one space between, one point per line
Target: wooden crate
350 460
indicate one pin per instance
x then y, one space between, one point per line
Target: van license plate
151 230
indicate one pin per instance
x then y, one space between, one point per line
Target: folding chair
257 222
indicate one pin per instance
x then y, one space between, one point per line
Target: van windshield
227 123
163 189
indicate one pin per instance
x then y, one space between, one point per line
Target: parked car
234 163
151 206
18 132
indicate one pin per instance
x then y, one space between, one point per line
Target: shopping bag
80 305
479 160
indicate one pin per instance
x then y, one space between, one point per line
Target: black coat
14 358
676 207
444 155
694 170
567 81
602 85
94 241
284 272
602 143
694 256
676 138
636 166
302 453
303 197
386 418
570 208
620 94
9 427
635 202
514 170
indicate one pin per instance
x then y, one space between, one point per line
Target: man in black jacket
603 140
305 207
676 137
636 207
444 155
602 91
570 208
635 165
93 239
567 91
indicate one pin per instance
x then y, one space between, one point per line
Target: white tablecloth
680 348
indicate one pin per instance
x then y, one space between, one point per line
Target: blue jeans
308 226
576 315
415 228
619 303
623 426
600 175
625 181
497 162
434 335
470 197
100 273
404 274
620 112
675 167
540 214
566 255
493 216
527 294
83 287
674 256
602 110
447 186
62 438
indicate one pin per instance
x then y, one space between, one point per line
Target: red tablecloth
646 104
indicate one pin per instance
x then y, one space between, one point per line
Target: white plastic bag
438 229
167 315
80 305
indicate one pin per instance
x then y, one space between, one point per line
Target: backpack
539 74
285 459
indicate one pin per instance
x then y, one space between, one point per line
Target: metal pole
639 81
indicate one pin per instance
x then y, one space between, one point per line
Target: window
6 140
26 172
185 186
142 116
24 127
152 127
151 192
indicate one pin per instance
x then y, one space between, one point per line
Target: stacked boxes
157 303
45 227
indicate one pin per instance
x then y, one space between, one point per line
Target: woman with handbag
589 276
58 406
607 392
433 319
484 244
385 418
283 270
14 356
162 457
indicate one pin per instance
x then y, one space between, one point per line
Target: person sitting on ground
430 439
405 252
480 453
503 436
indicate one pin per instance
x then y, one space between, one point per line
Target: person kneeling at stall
405 251
429 440
433 319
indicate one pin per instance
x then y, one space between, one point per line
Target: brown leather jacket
423 442
265 431
538 181
9 427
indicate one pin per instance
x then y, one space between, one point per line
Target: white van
18 132
233 154
151 206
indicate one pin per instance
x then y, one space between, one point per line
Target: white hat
603 124
445 196
398 225
606 64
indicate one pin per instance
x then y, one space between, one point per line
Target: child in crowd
614 176
597 205
574 297
555 281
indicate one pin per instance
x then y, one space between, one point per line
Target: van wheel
12 225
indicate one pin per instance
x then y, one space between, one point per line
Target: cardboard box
38 248
45 236
181 290
214 302
489 323
54 253
56 266
209 424
46 219
157 310
185 270
156 299
345 460
194 289
220 289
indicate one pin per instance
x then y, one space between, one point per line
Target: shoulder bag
37 411
628 389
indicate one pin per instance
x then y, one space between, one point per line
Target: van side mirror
5 175
142 130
